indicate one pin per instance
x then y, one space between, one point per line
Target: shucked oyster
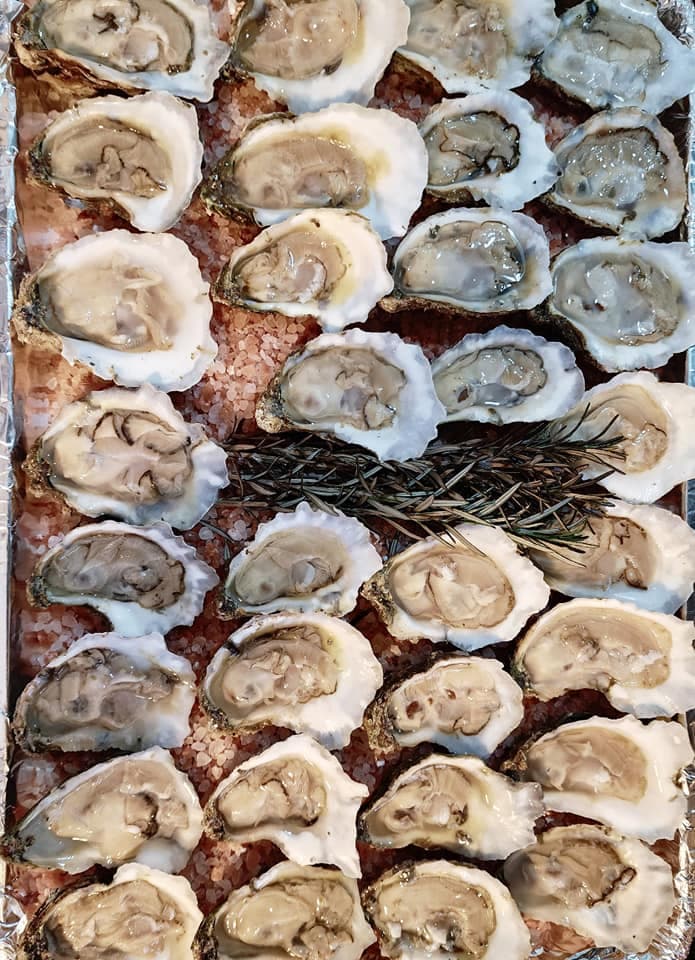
146 45
621 170
138 807
140 155
329 264
288 912
305 671
608 888
437 909
317 52
370 161
107 693
134 308
296 794
131 455
140 913
143 579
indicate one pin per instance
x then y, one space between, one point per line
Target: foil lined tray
675 940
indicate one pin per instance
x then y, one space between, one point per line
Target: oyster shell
620 772
139 155
371 389
131 455
317 52
465 704
438 909
610 53
608 888
370 161
329 264
454 803
471 46
621 170
305 671
474 261
134 308
469 588
629 302
487 147
133 808
296 794
308 560
507 376
145 45
107 692
643 662
143 579
150 914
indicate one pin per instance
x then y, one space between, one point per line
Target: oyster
145 45
296 794
487 147
305 671
637 553
370 161
133 308
138 807
140 913
107 692
439 909
143 579
317 52
328 264
611 53
456 803
131 455
474 261
371 389
308 560
630 303
470 588
608 888
643 662
139 155
471 46
465 704
653 420
621 170
620 772
289 911
507 376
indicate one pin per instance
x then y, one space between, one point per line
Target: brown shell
204 945
29 318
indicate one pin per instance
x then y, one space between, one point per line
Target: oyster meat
608 888
371 389
131 455
644 662
304 671
621 170
289 911
107 693
507 376
133 308
456 803
140 155
296 794
134 808
328 264
469 588
142 579
370 161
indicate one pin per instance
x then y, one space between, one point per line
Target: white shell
331 839
564 383
536 169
